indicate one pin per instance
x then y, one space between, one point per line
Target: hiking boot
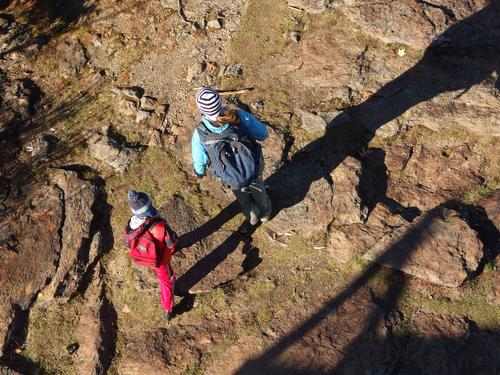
267 214
254 220
254 214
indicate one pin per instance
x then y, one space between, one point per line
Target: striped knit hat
140 204
209 102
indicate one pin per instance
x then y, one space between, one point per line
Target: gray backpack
234 156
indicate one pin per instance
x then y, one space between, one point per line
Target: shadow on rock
25 167
51 19
370 347
462 349
464 55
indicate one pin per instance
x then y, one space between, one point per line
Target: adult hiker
152 242
226 140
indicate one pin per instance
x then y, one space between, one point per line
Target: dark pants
255 201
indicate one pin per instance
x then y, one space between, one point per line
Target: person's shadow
467 54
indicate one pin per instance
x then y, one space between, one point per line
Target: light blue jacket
248 123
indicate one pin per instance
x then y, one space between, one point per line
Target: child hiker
152 242
226 141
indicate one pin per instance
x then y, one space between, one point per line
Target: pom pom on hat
133 196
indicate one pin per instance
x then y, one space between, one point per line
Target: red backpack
144 248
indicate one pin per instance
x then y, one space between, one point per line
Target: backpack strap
154 228
170 237
130 234
148 224
203 132
208 137
167 235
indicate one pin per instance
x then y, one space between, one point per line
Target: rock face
71 55
133 102
142 357
367 349
449 345
149 360
340 65
491 224
349 241
108 150
126 107
476 110
332 199
425 176
148 103
142 115
223 253
416 24
438 247
434 327
310 215
96 331
77 235
214 24
347 205
416 78
348 63
30 243
312 122
47 246
491 205
194 70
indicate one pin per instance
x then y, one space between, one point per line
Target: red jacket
147 245
162 234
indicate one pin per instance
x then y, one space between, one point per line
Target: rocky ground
382 162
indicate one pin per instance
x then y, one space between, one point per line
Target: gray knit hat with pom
140 204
